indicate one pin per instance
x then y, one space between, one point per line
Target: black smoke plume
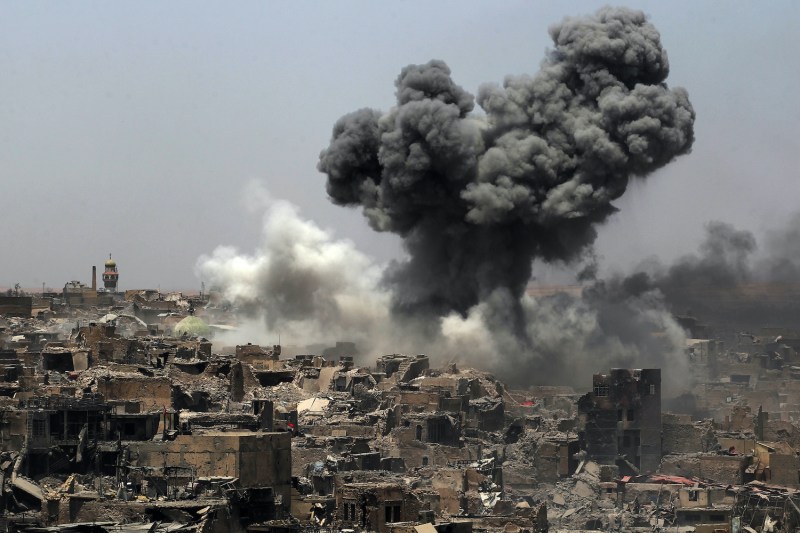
476 197
730 283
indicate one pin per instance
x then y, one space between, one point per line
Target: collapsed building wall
16 306
681 434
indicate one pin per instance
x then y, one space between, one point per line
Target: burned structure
623 419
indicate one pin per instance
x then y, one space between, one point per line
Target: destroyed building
107 418
16 306
623 419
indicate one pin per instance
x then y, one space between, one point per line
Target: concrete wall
449 483
680 465
723 468
370 501
154 393
13 433
257 459
681 435
650 492
341 430
19 306
784 470
546 460
741 445
441 383
417 401
694 498
437 455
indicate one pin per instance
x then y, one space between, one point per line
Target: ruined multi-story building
623 419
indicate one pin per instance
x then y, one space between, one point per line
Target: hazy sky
133 128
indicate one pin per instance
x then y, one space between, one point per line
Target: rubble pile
111 418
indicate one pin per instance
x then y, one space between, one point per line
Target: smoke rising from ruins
300 282
476 197
730 281
305 285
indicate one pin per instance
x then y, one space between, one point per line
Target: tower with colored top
110 275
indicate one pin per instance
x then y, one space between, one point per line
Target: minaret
110 276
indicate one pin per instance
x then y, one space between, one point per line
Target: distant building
18 306
77 294
110 275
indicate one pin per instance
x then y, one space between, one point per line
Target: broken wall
784 470
155 393
679 434
257 459
724 469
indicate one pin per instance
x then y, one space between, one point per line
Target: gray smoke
575 337
782 247
306 287
723 260
477 197
300 283
730 283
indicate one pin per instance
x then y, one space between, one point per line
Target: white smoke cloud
573 338
300 282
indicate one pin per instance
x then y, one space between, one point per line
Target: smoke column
476 197
300 282
729 283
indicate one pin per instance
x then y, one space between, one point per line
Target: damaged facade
623 419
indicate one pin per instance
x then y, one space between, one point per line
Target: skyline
136 130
